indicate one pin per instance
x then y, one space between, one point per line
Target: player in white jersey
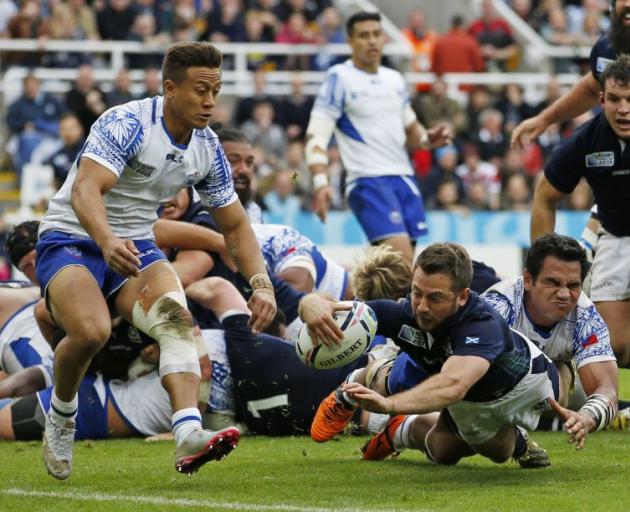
297 260
548 306
367 107
96 243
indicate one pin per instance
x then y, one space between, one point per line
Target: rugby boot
381 445
534 457
202 446
331 418
57 444
621 421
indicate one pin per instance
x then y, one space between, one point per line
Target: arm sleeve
114 139
501 304
591 340
565 167
481 339
389 314
217 188
331 97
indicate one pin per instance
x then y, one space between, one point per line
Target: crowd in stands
478 172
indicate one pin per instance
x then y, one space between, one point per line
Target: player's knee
167 320
92 335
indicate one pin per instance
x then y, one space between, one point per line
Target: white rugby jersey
279 244
22 344
132 141
368 111
582 335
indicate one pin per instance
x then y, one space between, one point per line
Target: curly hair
381 273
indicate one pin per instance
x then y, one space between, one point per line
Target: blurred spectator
28 23
116 19
265 11
479 100
330 31
73 137
152 83
8 9
444 169
491 139
478 198
475 170
593 9
524 9
64 25
447 197
554 91
294 161
225 22
245 106
144 31
457 52
33 117
76 98
295 109
282 200
436 106
255 32
516 193
296 31
306 8
422 41
513 106
262 131
85 18
121 92
495 37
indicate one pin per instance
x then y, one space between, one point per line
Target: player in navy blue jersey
585 93
597 151
458 356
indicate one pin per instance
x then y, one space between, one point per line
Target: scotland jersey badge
601 159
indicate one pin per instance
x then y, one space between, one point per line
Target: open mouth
623 123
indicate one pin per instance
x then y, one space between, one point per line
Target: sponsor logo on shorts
395 217
73 251
601 286
601 159
146 253
542 405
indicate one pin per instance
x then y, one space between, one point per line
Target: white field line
178 502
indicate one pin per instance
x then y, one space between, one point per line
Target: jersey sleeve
114 139
330 98
501 304
481 339
591 340
216 190
389 315
563 170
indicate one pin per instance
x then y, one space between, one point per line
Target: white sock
63 411
350 378
401 436
184 422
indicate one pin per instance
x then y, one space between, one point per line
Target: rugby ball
358 326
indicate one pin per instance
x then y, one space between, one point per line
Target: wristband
261 282
601 409
319 180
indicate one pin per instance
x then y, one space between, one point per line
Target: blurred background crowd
478 172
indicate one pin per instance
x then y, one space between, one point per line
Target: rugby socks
343 397
61 411
184 422
401 438
520 444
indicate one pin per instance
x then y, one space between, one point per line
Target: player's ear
169 88
528 280
463 296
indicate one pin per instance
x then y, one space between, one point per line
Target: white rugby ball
358 326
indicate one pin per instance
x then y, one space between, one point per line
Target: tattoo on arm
233 248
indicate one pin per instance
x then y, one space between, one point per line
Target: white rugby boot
58 440
201 446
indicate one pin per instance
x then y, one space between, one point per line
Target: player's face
555 292
194 98
174 208
241 158
615 100
367 41
433 299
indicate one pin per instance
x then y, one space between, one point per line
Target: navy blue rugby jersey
475 330
602 54
594 152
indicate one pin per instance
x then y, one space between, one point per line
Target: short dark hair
181 56
21 240
360 16
229 134
562 247
450 259
618 71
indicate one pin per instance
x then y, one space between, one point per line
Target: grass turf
295 474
